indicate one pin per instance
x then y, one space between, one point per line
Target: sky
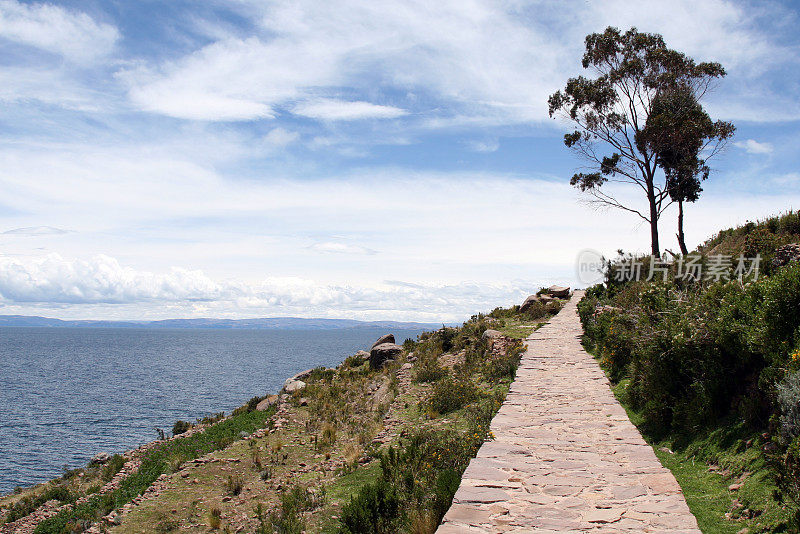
367 160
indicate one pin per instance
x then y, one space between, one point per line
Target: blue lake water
69 393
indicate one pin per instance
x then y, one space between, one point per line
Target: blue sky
351 159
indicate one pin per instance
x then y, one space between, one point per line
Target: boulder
388 338
363 354
530 301
558 292
291 385
491 334
302 375
100 458
266 403
382 353
544 299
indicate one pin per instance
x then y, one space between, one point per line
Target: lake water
69 393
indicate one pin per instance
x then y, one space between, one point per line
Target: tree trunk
681 240
651 199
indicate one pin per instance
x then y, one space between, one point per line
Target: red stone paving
565 457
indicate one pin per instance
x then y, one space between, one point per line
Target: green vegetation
112 467
418 479
710 370
27 504
287 519
419 474
159 460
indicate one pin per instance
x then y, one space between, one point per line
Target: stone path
566 458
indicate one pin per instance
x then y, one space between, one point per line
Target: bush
429 371
180 427
215 518
234 485
251 406
537 310
112 467
374 510
789 403
503 367
451 394
27 505
788 479
446 486
288 519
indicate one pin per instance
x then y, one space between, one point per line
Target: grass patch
158 461
517 328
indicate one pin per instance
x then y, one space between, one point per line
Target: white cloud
35 231
477 60
338 110
280 137
71 34
489 145
751 146
341 248
100 279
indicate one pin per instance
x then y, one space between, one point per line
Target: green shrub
250 406
451 394
353 361
112 467
537 310
180 427
789 403
446 486
27 505
215 518
429 371
288 519
234 485
374 510
503 367
788 479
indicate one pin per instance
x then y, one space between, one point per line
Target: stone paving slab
565 458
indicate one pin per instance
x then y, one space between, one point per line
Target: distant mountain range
271 323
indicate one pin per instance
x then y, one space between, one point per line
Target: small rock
734 487
303 401
100 458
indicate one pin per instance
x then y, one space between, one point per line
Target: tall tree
683 137
611 110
